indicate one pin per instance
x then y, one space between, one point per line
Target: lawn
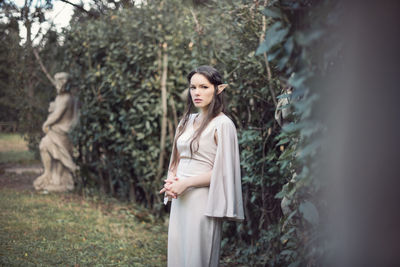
13 149
67 230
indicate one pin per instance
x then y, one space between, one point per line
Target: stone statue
55 146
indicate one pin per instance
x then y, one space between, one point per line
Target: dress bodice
207 147
223 196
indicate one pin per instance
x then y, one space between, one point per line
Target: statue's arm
59 109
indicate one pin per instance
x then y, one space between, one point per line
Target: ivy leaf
283 141
306 38
310 148
284 96
282 62
280 194
273 36
309 212
295 264
289 45
272 12
272 56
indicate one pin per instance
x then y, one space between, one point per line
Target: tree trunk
164 109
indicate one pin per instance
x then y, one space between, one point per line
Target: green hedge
116 63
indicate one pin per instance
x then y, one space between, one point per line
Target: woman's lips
197 100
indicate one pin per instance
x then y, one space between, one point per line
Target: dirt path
19 177
15 170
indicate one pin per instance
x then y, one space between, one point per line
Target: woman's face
201 91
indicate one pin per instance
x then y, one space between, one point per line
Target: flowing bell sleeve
225 192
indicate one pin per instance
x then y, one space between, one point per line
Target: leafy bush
302 44
118 64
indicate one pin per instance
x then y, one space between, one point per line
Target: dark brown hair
216 106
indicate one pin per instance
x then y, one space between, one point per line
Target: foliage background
117 54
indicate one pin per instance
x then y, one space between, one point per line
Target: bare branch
53 82
80 7
164 108
199 28
269 74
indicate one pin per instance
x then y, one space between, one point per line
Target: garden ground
68 229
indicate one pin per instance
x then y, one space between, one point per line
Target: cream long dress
194 234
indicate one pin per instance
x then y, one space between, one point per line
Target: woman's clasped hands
174 187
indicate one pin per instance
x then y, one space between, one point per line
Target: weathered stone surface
55 146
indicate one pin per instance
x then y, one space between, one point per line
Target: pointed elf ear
221 87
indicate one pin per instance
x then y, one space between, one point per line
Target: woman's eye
202 86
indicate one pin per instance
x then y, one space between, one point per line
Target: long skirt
194 240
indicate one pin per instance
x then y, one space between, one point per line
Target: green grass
13 149
21 157
11 141
66 230
11 137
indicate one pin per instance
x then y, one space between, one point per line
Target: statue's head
61 79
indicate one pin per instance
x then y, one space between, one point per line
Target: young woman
204 181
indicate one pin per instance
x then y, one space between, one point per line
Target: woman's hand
166 188
178 186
